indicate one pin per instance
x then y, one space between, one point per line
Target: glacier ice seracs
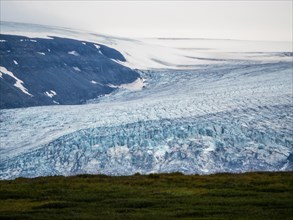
222 118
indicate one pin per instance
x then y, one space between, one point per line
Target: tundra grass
155 196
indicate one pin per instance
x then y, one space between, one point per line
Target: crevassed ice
221 118
222 142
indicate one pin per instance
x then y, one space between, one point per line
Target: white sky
249 20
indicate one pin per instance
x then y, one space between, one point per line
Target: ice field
201 111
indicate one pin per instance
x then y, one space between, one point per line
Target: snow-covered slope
230 114
167 53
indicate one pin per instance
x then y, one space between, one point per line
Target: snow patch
134 86
33 41
83 43
50 93
74 53
2 41
76 68
97 46
93 82
15 62
41 53
18 84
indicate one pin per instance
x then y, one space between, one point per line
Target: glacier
212 143
206 109
221 118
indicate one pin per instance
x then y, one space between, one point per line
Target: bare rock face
57 71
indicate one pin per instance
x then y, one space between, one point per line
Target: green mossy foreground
163 196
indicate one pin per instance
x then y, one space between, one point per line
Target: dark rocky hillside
37 71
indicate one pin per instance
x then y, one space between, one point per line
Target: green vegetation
155 196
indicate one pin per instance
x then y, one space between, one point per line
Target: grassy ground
164 196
